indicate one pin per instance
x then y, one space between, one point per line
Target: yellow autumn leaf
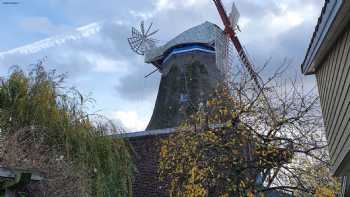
250 194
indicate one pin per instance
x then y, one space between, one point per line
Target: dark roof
146 133
328 14
316 29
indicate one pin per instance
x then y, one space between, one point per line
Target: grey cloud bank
104 65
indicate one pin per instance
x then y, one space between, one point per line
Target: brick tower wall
193 74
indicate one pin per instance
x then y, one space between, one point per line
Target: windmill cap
205 33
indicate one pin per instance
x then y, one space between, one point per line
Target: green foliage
56 118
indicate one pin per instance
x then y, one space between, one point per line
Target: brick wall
146 156
193 74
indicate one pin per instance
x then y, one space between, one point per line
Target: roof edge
144 133
331 23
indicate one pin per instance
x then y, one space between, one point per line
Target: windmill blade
135 33
149 28
151 34
135 40
154 40
142 28
244 58
133 46
149 44
136 45
151 73
140 45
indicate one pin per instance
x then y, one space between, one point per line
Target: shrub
44 125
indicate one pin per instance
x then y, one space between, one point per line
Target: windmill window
184 98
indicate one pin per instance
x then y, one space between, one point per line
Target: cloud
269 24
164 5
77 34
105 64
106 51
130 120
98 63
86 11
164 9
98 59
135 87
39 24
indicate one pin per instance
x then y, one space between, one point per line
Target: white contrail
78 33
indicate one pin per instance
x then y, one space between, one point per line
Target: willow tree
232 146
45 126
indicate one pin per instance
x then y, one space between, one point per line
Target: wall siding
333 79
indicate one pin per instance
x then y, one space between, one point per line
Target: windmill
191 66
208 39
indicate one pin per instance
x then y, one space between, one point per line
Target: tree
44 126
233 146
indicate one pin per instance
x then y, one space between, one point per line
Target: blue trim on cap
189 48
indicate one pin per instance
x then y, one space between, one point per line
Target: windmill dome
201 37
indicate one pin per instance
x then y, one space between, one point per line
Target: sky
87 39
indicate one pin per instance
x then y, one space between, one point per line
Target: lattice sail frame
141 41
225 54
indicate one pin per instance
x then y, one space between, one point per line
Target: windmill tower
191 66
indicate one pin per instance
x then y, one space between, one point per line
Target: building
191 66
328 57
